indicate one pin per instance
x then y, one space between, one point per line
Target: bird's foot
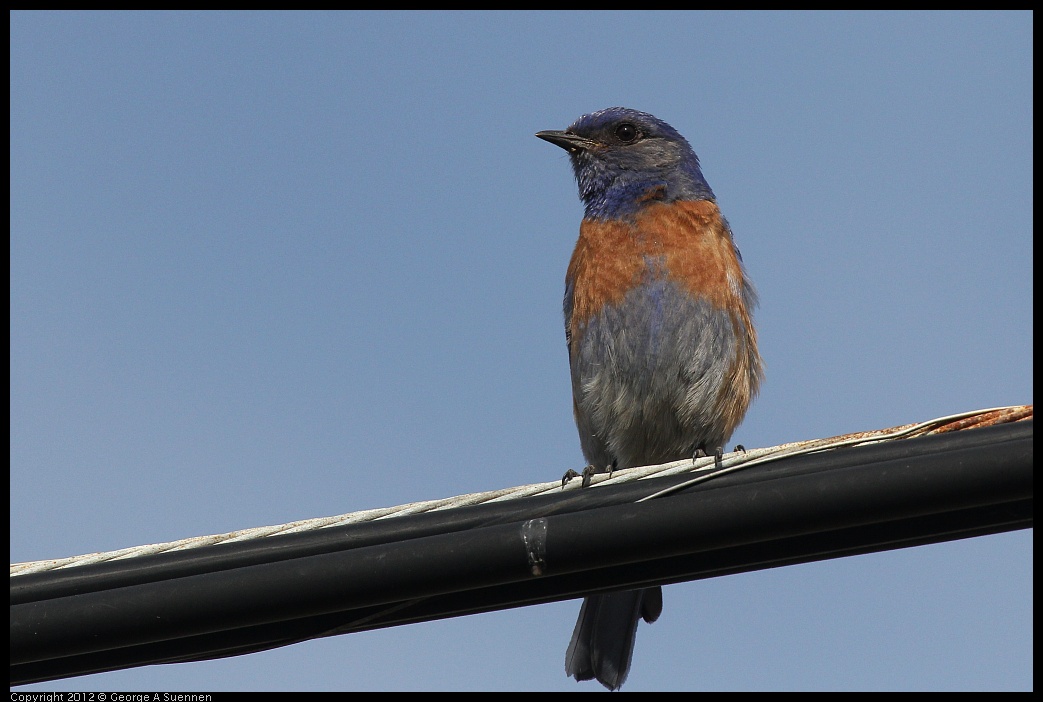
718 454
588 472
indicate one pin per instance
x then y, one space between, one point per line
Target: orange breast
687 240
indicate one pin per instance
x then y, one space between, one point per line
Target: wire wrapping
246 595
704 467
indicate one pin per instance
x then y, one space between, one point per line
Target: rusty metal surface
1004 415
985 418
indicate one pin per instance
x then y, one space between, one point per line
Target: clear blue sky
267 267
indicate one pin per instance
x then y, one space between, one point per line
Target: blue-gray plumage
671 349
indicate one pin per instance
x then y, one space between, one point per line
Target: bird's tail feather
602 644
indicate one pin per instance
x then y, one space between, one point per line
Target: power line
244 596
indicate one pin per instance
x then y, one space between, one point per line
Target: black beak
570 142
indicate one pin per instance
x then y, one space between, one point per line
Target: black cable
236 598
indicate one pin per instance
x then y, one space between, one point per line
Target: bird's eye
627 133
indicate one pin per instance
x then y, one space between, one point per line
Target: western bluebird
661 344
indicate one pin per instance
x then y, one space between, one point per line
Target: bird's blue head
624 159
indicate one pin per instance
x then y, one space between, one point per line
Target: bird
658 324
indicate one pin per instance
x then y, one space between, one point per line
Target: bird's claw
587 474
718 455
569 475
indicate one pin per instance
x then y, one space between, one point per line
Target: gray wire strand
702 468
